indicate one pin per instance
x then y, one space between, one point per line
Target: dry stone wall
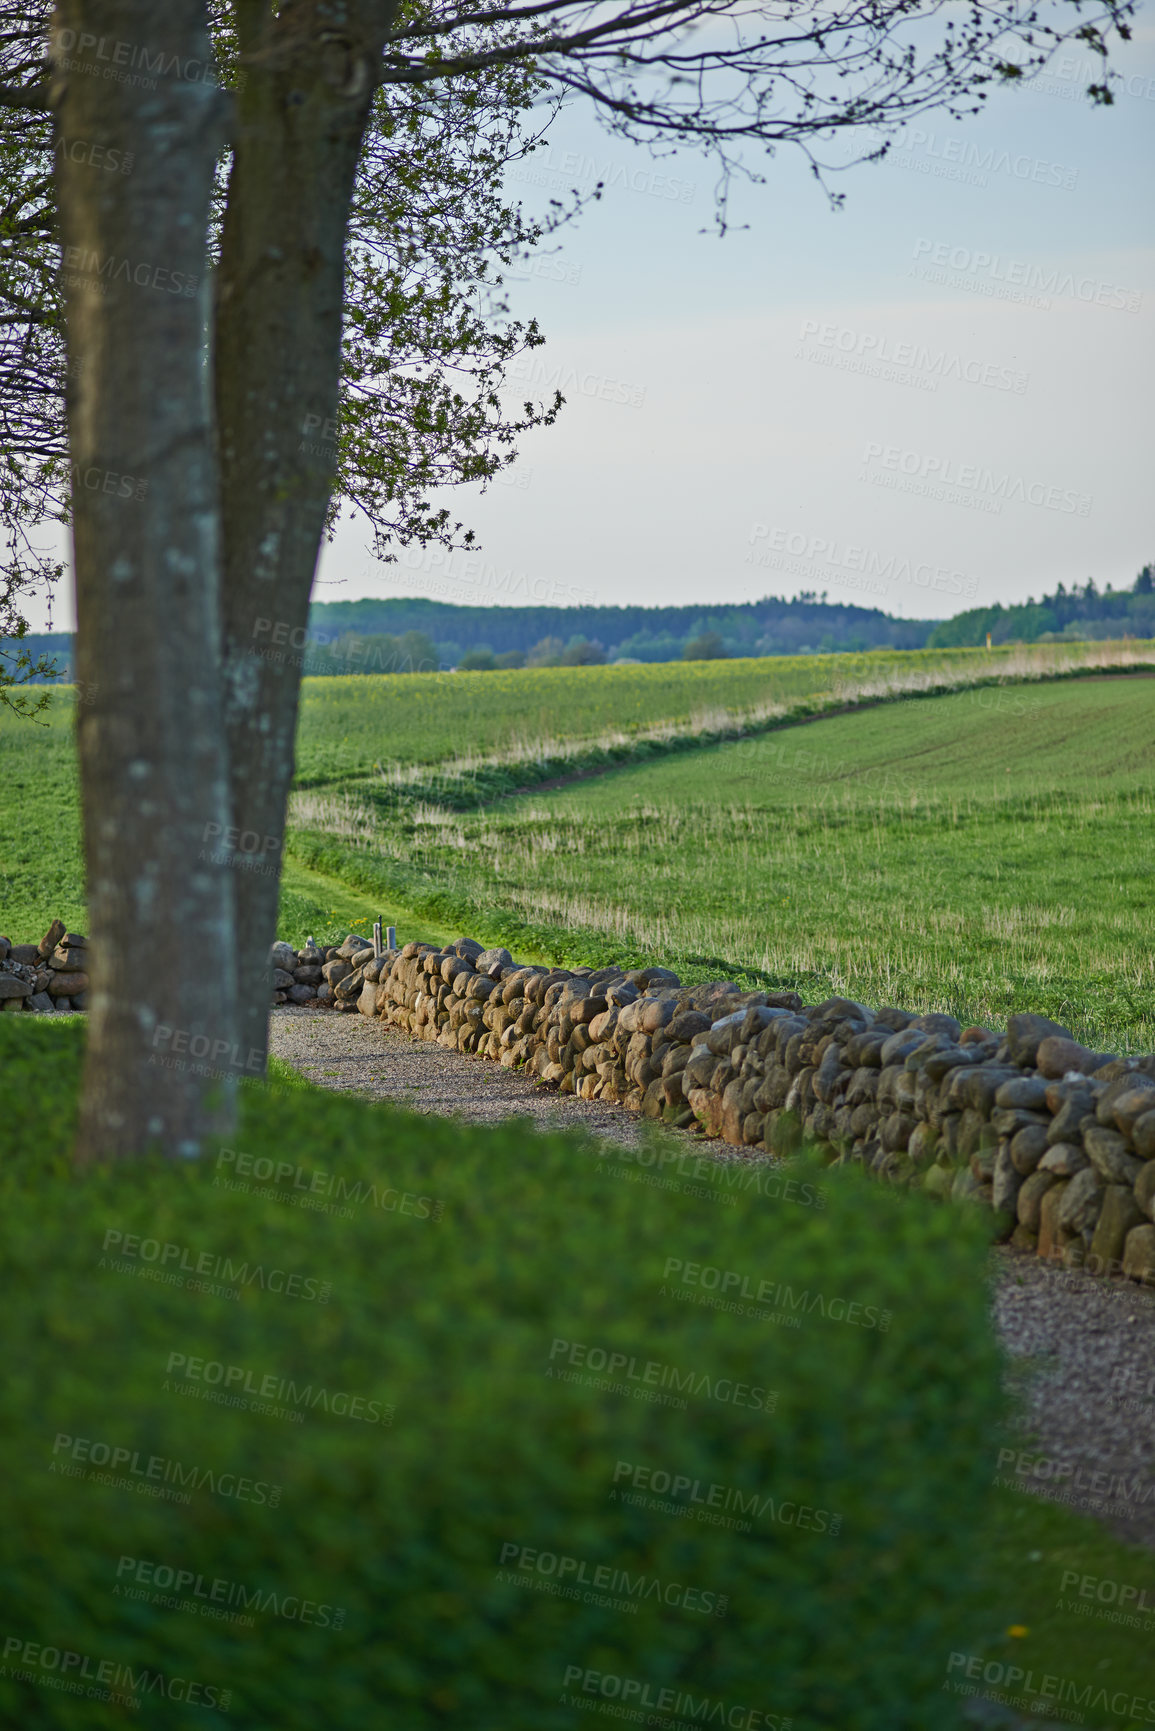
51 975
1057 1139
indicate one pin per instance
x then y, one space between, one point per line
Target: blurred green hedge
423 1545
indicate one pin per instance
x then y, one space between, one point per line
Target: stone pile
1058 1139
51 975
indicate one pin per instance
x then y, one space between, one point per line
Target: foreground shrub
472 1524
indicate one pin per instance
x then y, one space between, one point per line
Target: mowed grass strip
978 853
325 909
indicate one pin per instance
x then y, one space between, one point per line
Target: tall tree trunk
303 108
162 1057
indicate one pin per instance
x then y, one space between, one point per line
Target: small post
391 938
377 936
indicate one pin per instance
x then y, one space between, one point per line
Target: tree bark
161 1055
302 113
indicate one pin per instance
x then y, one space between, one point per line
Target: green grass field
354 725
978 853
360 725
41 851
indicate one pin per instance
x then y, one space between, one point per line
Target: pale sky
938 397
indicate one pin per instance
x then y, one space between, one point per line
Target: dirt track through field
1092 1389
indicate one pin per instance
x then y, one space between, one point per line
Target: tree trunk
161 1056
303 108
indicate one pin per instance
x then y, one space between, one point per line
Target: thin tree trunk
161 1057
303 109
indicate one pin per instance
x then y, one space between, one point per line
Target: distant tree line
569 636
351 636
1072 614
371 652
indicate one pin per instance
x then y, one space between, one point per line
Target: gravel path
1085 1346
353 1055
1091 1387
